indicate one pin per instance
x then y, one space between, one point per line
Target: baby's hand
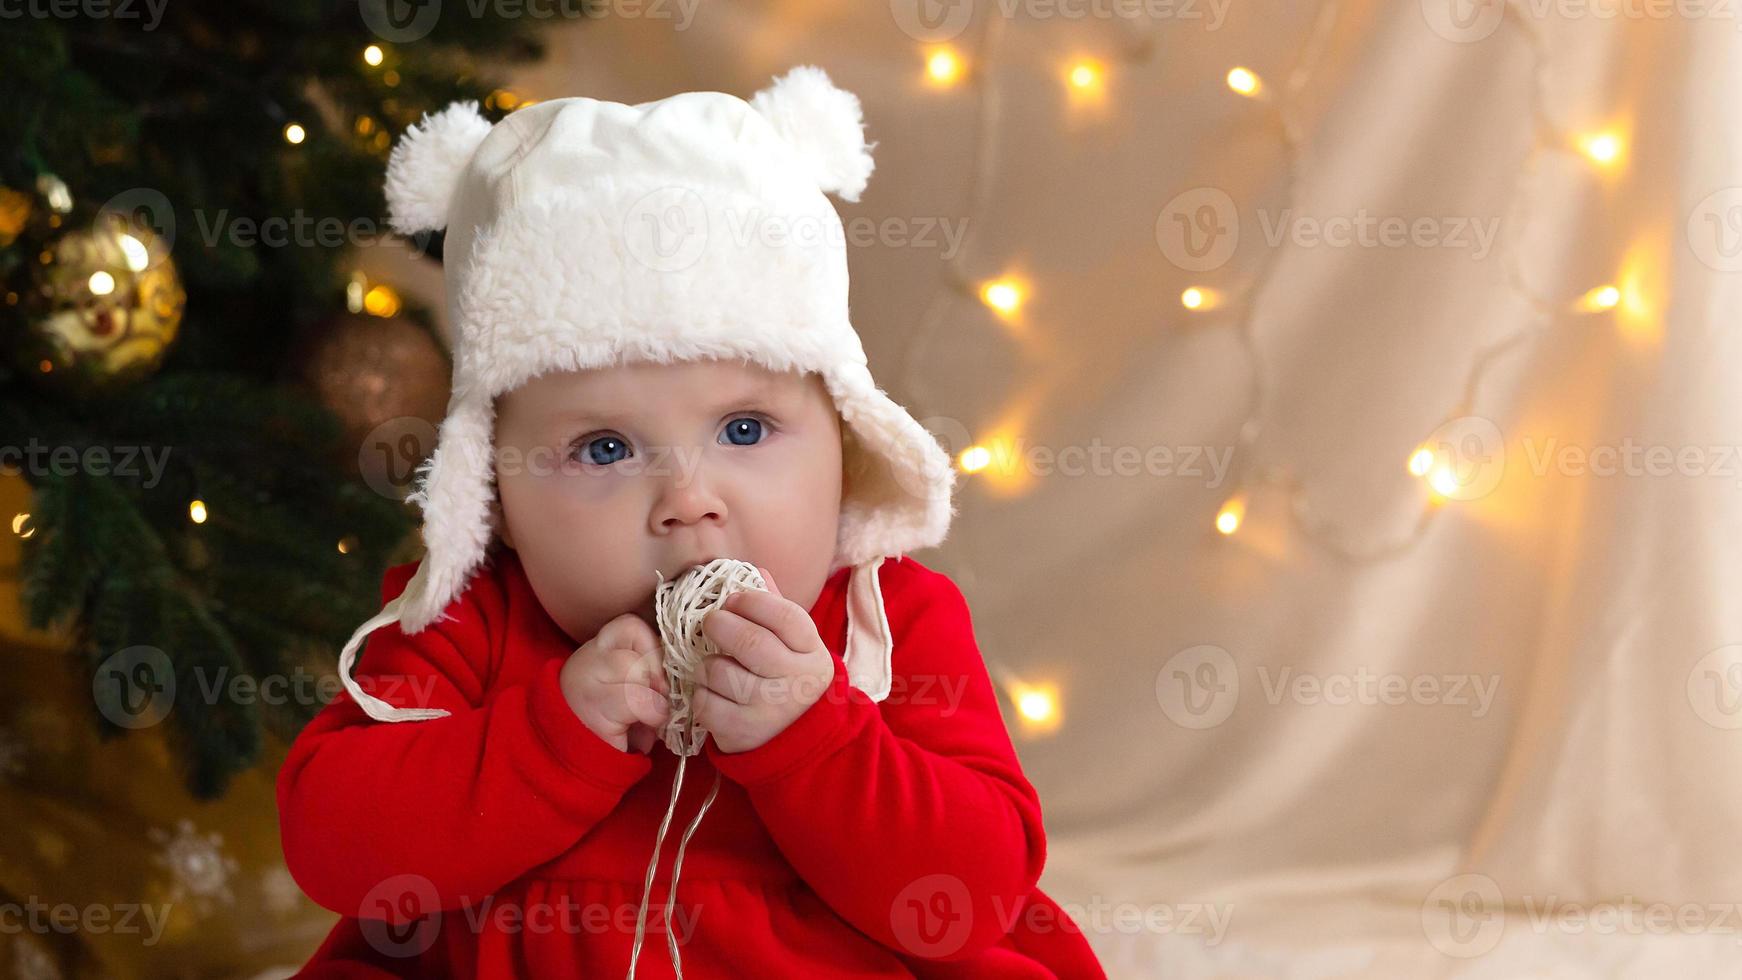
615 683
772 667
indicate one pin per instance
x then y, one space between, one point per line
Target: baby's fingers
645 668
646 705
630 632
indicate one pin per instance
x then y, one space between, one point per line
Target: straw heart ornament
680 607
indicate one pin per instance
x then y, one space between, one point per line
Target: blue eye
605 450
745 430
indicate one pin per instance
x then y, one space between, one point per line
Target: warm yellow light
134 252
975 458
1003 295
1602 148
1243 80
943 66
1603 297
101 283
381 301
21 525
1229 517
1444 481
354 292
1640 280
294 133
372 55
1036 705
197 511
1193 298
1421 461
1085 75
346 543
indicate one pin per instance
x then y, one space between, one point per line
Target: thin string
679 607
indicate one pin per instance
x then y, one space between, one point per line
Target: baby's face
605 475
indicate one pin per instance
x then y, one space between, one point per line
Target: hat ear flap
424 168
824 124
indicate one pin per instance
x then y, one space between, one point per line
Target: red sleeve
470 801
915 807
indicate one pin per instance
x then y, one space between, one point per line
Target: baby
653 368
664 467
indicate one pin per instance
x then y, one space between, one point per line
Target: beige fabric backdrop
1572 737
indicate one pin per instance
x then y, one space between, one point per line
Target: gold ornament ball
101 305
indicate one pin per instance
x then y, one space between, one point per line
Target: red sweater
892 839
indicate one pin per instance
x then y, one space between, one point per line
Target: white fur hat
583 233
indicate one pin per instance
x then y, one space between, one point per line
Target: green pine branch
195 110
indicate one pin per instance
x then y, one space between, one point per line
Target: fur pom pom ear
824 124
424 168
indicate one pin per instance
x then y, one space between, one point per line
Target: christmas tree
194 371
